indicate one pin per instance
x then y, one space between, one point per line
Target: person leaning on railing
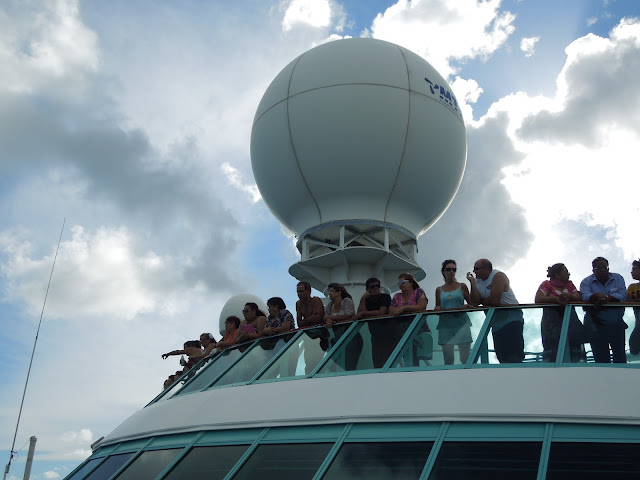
453 328
410 299
605 325
341 309
559 290
280 319
491 288
231 333
209 344
254 322
385 333
633 295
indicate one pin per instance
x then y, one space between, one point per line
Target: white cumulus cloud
528 45
442 31
235 178
314 13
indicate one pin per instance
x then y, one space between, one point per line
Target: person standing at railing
491 288
253 324
231 333
453 328
208 343
633 295
310 313
559 290
605 325
385 333
309 310
413 299
342 309
280 319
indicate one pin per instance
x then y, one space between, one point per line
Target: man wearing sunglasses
491 288
384 333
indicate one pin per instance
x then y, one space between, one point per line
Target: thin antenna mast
35 342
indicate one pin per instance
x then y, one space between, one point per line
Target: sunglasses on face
475 269
402 282
376 285
451 269
245 310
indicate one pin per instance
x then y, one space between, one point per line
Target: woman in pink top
410 299
253 324
559 290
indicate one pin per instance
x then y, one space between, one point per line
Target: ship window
255 360
109 466
399 461
149 464
223 360
211 463
487 460
284 461
591 461
85 468
302 357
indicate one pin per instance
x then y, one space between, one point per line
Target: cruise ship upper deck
374 398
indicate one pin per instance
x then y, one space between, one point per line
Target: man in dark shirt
385 333
605 324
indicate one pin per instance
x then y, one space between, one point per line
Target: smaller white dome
235 305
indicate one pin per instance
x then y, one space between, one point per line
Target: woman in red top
559 290
231 333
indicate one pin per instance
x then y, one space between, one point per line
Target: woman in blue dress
453 328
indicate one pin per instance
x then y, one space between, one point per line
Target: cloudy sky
132 120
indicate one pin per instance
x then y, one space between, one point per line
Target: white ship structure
253 411
358 146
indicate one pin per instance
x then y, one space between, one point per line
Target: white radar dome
358 129
235 305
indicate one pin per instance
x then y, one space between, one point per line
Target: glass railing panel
191 373
369 345
602 326
454 334
575 348
632 334
222 361
441 338
515 337
418 349
345 357
302 356
255 360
